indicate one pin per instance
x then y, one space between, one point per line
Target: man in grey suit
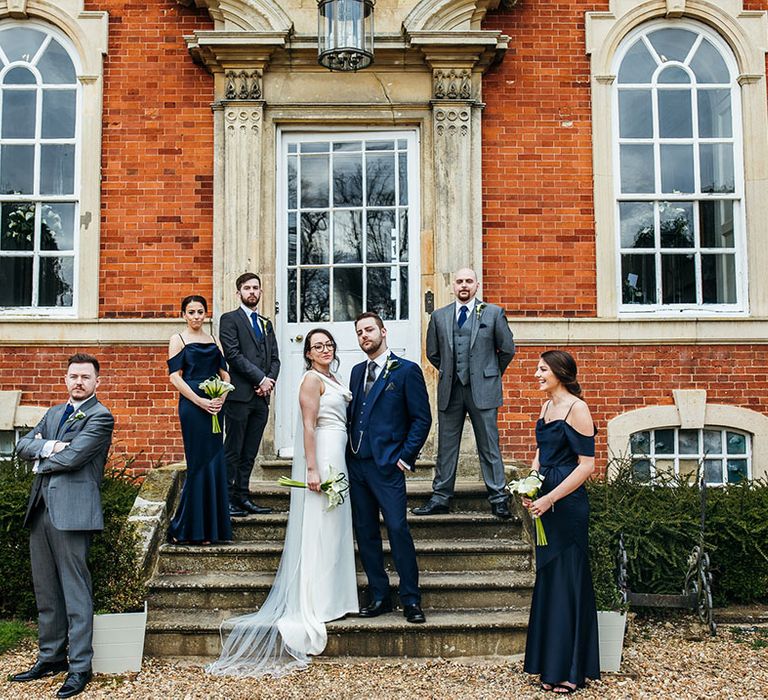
470 344
69 447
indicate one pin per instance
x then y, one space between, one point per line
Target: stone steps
492 590
444 634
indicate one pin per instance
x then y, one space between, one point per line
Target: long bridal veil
278 638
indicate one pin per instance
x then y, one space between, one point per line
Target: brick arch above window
692 411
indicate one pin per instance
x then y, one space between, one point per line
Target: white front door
348 242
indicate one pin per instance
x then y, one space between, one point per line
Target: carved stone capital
452 84
243 85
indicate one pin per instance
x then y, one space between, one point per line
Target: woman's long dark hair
308 345
563 366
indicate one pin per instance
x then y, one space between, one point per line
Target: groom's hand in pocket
403 466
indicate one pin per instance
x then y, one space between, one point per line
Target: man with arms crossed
69 446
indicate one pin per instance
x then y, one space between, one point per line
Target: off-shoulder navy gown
562 642
203 512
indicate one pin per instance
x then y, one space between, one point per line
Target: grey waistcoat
461 340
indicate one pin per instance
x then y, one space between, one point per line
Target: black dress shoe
253 509
414 613
376 608
74 684
237 512
41 669
501 510
430 508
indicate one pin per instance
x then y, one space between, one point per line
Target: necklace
325 374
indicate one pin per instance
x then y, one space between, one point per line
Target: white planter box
118 642
610 632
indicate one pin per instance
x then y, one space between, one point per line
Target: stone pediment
245 15
450 15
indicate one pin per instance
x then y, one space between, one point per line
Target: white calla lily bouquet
529 487
335 487
215 387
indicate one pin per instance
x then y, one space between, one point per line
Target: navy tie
256 325
462 315
68 411
370 378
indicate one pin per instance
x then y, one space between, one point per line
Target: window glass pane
404 293
664 441
56 66
716 167
292 197
678 279
638 274
56 281
59 114
315 147
292 148
7 443
57 169
15 281
347 293
314 181
402 165
57 230
636 168
718 279
737 470
348 181
21 43
17 228
737 443
315 306
379 145
402 144
675 115
638 65
19 76
676 168
403 235
687 470
380 179
17 169
665 468
715 119
674 75
635 115
382 236
713 471
672 44
348 146
688 441
642 469
292 240
348 236
637 228
716 224
640 443
713 442
19 114
315 241
382 291
676 223
708 65
292 296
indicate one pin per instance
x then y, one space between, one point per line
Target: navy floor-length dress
203 512
562 642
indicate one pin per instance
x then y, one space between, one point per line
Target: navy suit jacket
395 417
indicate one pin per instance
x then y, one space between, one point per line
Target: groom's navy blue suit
390 424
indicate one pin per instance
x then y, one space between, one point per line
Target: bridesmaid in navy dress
193 356
562 644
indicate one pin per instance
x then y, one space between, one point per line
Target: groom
389 421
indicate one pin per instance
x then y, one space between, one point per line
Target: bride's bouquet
335 487
215 387
529 487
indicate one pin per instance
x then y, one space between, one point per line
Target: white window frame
681 310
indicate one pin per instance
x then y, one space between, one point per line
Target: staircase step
435 555
247 591
445 634
423 527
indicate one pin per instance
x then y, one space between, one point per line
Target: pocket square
390 387
482 325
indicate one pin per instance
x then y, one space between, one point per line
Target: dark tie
462 315
370 378
256 325
68 411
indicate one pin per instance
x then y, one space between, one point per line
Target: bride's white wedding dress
316 579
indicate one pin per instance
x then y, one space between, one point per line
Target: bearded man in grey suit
470 344
69 447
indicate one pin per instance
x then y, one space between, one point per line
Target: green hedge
113 557
660 523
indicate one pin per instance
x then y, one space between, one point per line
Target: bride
316 579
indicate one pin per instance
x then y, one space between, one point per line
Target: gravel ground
672 659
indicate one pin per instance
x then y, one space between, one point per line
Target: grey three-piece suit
64 510
471 361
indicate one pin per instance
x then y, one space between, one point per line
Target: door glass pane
347 293
688 441
292 295
674 75
737 443
348 180
292 196
380 179
380 145
402 165
403 235
314 147
715 120
382 236
403 293
716 167
19 76
347 236
56 65
21 43
718 279
678 279
17 228
19 114
315 306
713 442
292 240
348 146
676 223
56 280
57 227
315 241
716 224
17 169
638 274
57 169
676 168
382 291
675 115
59 114
635 115
672 44
737 470
638 65
636 221
15 281
314 181
713 471
708 65
636 168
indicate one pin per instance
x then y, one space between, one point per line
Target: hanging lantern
345 34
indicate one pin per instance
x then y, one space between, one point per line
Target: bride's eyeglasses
319 347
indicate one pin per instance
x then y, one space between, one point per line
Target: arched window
678 175
39 127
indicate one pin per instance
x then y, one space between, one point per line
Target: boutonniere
479 308
391 366
77 415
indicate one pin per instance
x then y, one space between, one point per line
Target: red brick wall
157 161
